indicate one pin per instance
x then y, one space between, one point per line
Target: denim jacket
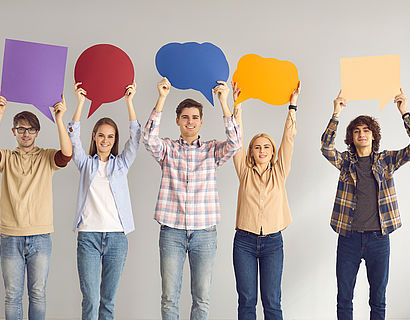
117 170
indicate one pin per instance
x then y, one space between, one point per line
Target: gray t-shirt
366 217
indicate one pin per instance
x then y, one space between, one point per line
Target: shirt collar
97 157
195 143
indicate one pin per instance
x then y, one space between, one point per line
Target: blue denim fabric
200 245
99 287
17 252
249 251
374 248
117 170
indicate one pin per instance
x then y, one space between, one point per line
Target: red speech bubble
105 71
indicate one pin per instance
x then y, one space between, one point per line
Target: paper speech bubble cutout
105 71
193 65
268 79
372 77
33 73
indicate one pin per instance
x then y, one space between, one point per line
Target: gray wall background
314 35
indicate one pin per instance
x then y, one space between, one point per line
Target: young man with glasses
26 211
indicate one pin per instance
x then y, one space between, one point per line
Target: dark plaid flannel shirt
383 166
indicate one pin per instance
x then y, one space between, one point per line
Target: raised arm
152 142
285 151
400 157
232 144
79 155
65 142
131 146
239 159
222 91
164 86
80 93
328 137
129 95
3 103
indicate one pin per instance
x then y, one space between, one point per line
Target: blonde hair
249 160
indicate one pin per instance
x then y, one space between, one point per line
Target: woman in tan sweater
262 213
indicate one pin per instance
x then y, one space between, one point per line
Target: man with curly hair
365 210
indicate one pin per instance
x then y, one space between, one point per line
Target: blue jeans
249 251
200 245
98 285
374 248
17 252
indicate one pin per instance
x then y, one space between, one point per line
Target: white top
100 213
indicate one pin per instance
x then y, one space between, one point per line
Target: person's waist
260 235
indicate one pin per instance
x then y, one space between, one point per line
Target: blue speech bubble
193 65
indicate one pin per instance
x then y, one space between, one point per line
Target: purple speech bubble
33 73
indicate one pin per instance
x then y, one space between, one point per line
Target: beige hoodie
26 199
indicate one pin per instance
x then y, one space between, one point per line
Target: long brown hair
249 160
110 122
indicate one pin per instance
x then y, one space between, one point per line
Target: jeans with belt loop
249 251
374 248
100 261
17 254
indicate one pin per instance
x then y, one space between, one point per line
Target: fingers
340 94
3 101
76 85
62 98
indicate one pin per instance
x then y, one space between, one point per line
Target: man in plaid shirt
365 211
188 204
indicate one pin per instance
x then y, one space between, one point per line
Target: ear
177 121
14 131
93 136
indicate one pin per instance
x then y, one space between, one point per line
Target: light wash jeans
200 245
17 253
98 285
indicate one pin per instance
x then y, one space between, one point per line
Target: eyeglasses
22 130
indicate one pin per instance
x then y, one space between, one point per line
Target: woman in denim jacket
104 214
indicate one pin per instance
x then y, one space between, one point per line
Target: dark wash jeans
249 251
374 248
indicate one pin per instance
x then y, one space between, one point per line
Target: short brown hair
373 126
189 103
29 117
110 122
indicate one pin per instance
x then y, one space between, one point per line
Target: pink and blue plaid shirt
188 197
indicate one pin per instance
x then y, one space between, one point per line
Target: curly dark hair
373 126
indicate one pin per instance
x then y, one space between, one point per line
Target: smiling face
262 151
25 140
189 122
104 139
362 137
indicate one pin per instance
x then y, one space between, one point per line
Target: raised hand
294 96
130 91
338 104
164 86
59 109
80 93
401 101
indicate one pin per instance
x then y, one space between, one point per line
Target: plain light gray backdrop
314 35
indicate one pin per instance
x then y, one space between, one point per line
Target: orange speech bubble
374 77
267 79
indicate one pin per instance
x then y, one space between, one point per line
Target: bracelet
404 115
293 107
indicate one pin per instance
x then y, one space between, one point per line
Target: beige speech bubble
372 77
